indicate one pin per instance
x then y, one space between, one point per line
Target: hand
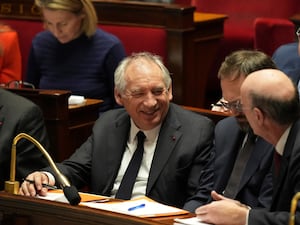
223 211
32 189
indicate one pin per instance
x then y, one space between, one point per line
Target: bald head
272 92
271 83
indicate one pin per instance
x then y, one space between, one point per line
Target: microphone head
72 195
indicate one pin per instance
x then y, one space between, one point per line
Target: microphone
293 208
12 186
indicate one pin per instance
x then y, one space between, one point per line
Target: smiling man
176 163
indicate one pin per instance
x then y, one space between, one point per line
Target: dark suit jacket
285 186
19 115
287 59
180 174
255 189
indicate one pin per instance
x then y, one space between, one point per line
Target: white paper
59 197
151 208
190 221
76 99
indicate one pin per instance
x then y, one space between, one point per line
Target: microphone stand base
12 187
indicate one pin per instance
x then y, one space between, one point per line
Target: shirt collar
151 135
282 141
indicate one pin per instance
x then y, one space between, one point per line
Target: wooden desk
21 210
296 20
214 116
68 127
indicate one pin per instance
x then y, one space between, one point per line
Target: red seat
254 24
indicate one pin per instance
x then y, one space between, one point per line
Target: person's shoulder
43 36
112 117
187 115
16 101
102 35
228 121
286 49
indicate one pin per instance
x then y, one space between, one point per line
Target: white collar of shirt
282 141
140 185
151 135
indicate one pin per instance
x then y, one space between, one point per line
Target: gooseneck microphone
293 208
12 186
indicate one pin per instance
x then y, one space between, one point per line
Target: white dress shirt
140 185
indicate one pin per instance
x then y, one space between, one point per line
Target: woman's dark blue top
85 66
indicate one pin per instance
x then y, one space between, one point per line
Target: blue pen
136 207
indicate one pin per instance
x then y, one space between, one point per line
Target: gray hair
120 80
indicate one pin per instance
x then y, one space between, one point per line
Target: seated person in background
19 115
270 102
10 55
73 54
287 59
176 167
242 171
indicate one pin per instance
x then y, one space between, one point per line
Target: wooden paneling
68 127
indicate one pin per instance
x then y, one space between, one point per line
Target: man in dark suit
253 186
270 102
176 168
19 115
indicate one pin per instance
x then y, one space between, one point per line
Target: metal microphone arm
12 186
293 208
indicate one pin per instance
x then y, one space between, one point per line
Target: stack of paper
189 221
143 207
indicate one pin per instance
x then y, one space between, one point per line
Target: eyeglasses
19 84
234 106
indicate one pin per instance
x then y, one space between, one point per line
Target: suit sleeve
201 176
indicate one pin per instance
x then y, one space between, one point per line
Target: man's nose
150 99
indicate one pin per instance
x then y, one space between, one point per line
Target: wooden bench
214 116
67 126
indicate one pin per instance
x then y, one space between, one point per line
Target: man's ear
170 93
118 97
259 115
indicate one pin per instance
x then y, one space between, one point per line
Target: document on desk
142 207
58 196
189 221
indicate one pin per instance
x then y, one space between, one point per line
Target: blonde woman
73 53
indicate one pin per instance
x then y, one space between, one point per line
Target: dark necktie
239 167
128 180
277 162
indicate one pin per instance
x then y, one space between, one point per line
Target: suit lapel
167 140
292 141
258 152
116 147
